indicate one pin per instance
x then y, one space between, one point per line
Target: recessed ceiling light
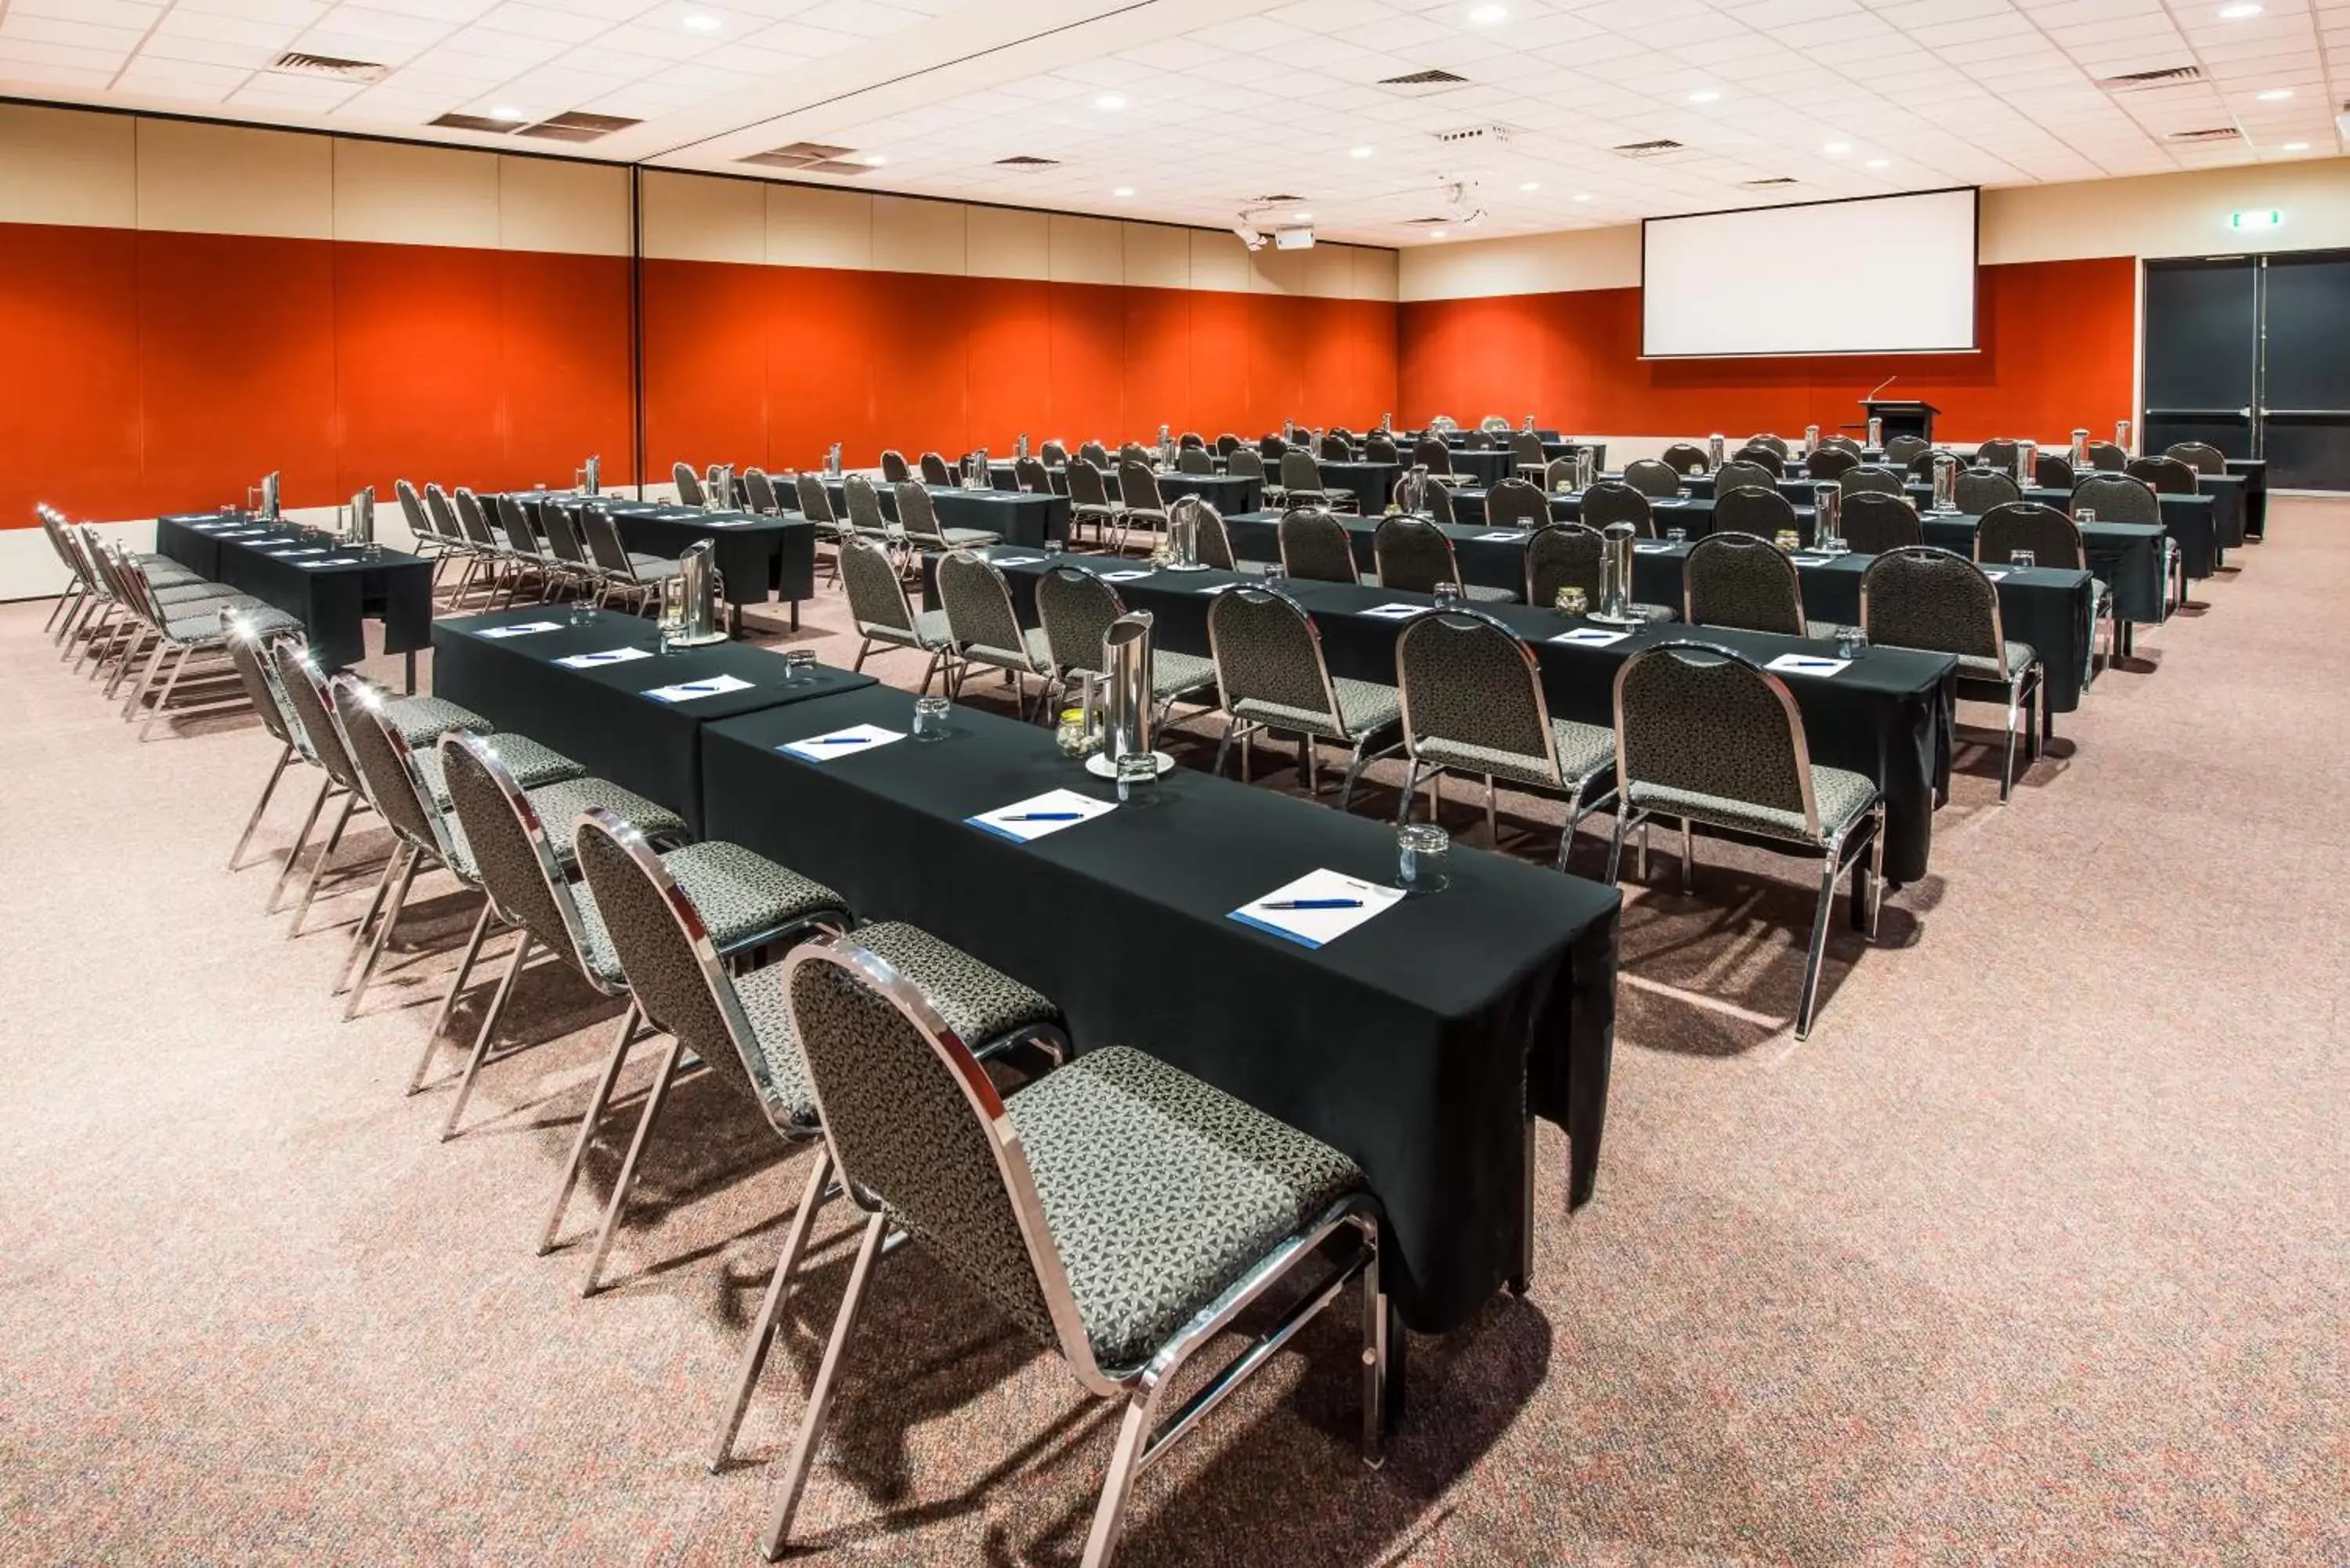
1531 185
2276 95
509 112
1583 195
2238 13
874 160
1301 217
1435 233
1109 100
1484 15
1704 95
702 22
1361 151
1876 164
1836 148
1123 190
2296 147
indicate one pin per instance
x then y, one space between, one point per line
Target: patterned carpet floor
2038 1250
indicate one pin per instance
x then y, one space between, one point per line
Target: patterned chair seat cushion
929 633
741 894
1840 796
192 589
1162 1190
1172 674
200 623
1983 667
1039 654
532 764
424 719
652 568
1583 751
969 538
1364 706
560 800
162 571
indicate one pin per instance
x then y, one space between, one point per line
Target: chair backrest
1093 451
978 603
1651 477
2053 539
1874 521
1705 720
1229 443
1300 472
816 502
935 470
1465 678
1980 489
2117 498
1190 441
864 504
2106 454
1685 457
1560 556
1869 479
411 511
1087 487
1413 554
689 484
1266 648
2203 456
1919 597
761 492
2168 475
474 520
521 537
1315 545
1138 486
511 848
308 699
1271 447
877 595
1737 473
1751 509
1902 449
1245 463
1215 539
1335 448
1843 443
1134 451
673 969
2052 471
1526 449
1738 580
1512 503
1377 448
1431 453
1054 455
917 516
1075 608
250 661
562 538
1921 465
444 516
1831 463
1769 459
383 760
1998 453
1477 440
893 467
604 542
1558 474
1613 500
1031 475
1774 444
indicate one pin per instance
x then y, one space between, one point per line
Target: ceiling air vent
578 127
800 155
1655 149
2212 133
1275 200
1423 84
1025 162
296 63
1773 183
1475 135
476 122
1414 222
2139 81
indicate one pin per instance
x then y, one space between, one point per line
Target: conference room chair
527 551
1301 484
1140 503
865 517
1270 448
1831 463
1271 676
1558 475
1683 457
625 572
690 491
175 633
1134 451
1613 500
1980 489
2117 498
935 470
1527 457
1194 460
1093 451
2166 475
460 542
1741 472
1229 443
1335 446
1443 424
1028 1199
1775 445
569 554
2055 541
1741 580
1416 492
115 623
1705 735
1074 610
1511 503
1091 501
1843 443
1433 453
986 628
2052 471
1474 705
2107 456
1870 479
1768 459
1377 448
815 505
1032 475
492 552
1316 548
1055 453
1902 449
1999 454
894 470
1413 554
1754 509
918 515
759 493
1651 478
1481 439
1875 522
1921 466
1938 601
424 538
1244 462
2201 456
1190 441
77 589
885 617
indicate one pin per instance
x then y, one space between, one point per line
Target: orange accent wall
915 361
158 372
2059 344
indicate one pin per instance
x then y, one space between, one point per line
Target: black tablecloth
2254 472
2185 518
330 600
756 554
1226 493
1413 1043
1014 515
1889 716
1372 483
600 717
1005 476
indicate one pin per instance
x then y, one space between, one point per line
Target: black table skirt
1370 483
329 601
1413 1043
2254 470
600 717
1017 517
2046 608
1888 717
756 556
1228 493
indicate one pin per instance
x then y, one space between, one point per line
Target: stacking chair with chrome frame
1075 609
1316 548
1658 481
1053 1217
1301 484
986 628
1613 500
2126 498
1215 539
1527 457
2109 457
1032 475
1919 597
934 469
1686 458
1831 463
919 518
423 532
180 629
1416 493
1413 556
1567 555
893 467
1514 504
1705 735
1270 675
1434 453
1768 459
1871 479
815 505
1141 503
1091 501
1980 489
883 615
1739 473
1754 509
689 485
1775 445
2201 456
623 571
2055 540
1743 581
1473 704
1875 523
1902 449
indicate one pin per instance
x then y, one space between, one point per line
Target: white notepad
525 628
1016 560
1996 573
708 686
1124 577
1678 501
1590 636
1811 560
1026 820
1399 612
1313 928
846 742
608 656
1220 587
1665 548
1807 664
1502 536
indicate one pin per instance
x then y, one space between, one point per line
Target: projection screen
1887 275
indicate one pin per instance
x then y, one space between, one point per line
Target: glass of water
1053 547
799 664
1273 575
1137 776
1676 535
2085 516
2023 560
930 718
1446 595
1850 641
1422 850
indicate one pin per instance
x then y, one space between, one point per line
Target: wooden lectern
1904 418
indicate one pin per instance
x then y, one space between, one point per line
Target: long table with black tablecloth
2254 472
756 554
1370 483
599 716
330 588
1224 491
1889 716
1017 517
2047 606
2207 524
1417 1043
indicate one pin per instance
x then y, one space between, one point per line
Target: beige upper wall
2159 215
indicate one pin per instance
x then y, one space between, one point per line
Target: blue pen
1813 663
839 741
1315 904
1044 817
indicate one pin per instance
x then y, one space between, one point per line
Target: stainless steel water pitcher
1827 518
592 481
1126 709
2122 434
270 483
832 461
1714 447
1810 439
698 585
1616 570
1586 469
1876 433
2079 456
1946 481
720 495
1183 532
362 529
2027 463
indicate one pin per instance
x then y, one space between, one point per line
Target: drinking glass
1676 535
1053 547
930 718
1850 641
1137 776
2023 560
1422 853
1446 595
799 664
1273 575
2085 516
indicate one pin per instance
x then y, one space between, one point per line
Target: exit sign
2268 220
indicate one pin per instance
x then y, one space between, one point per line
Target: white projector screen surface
1891 275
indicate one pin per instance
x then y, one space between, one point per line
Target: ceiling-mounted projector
1293 239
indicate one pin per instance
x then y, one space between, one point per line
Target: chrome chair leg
163 698
268 790
365 924
319 865
1375 1333
820 1392
383 929
779 1286
146 679
1615 845
481 1040
57 609
1688 855
1817 955
301 842
1125 1463
587 1125
449 1002
628 1174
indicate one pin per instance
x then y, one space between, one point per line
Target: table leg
795 615
411 656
